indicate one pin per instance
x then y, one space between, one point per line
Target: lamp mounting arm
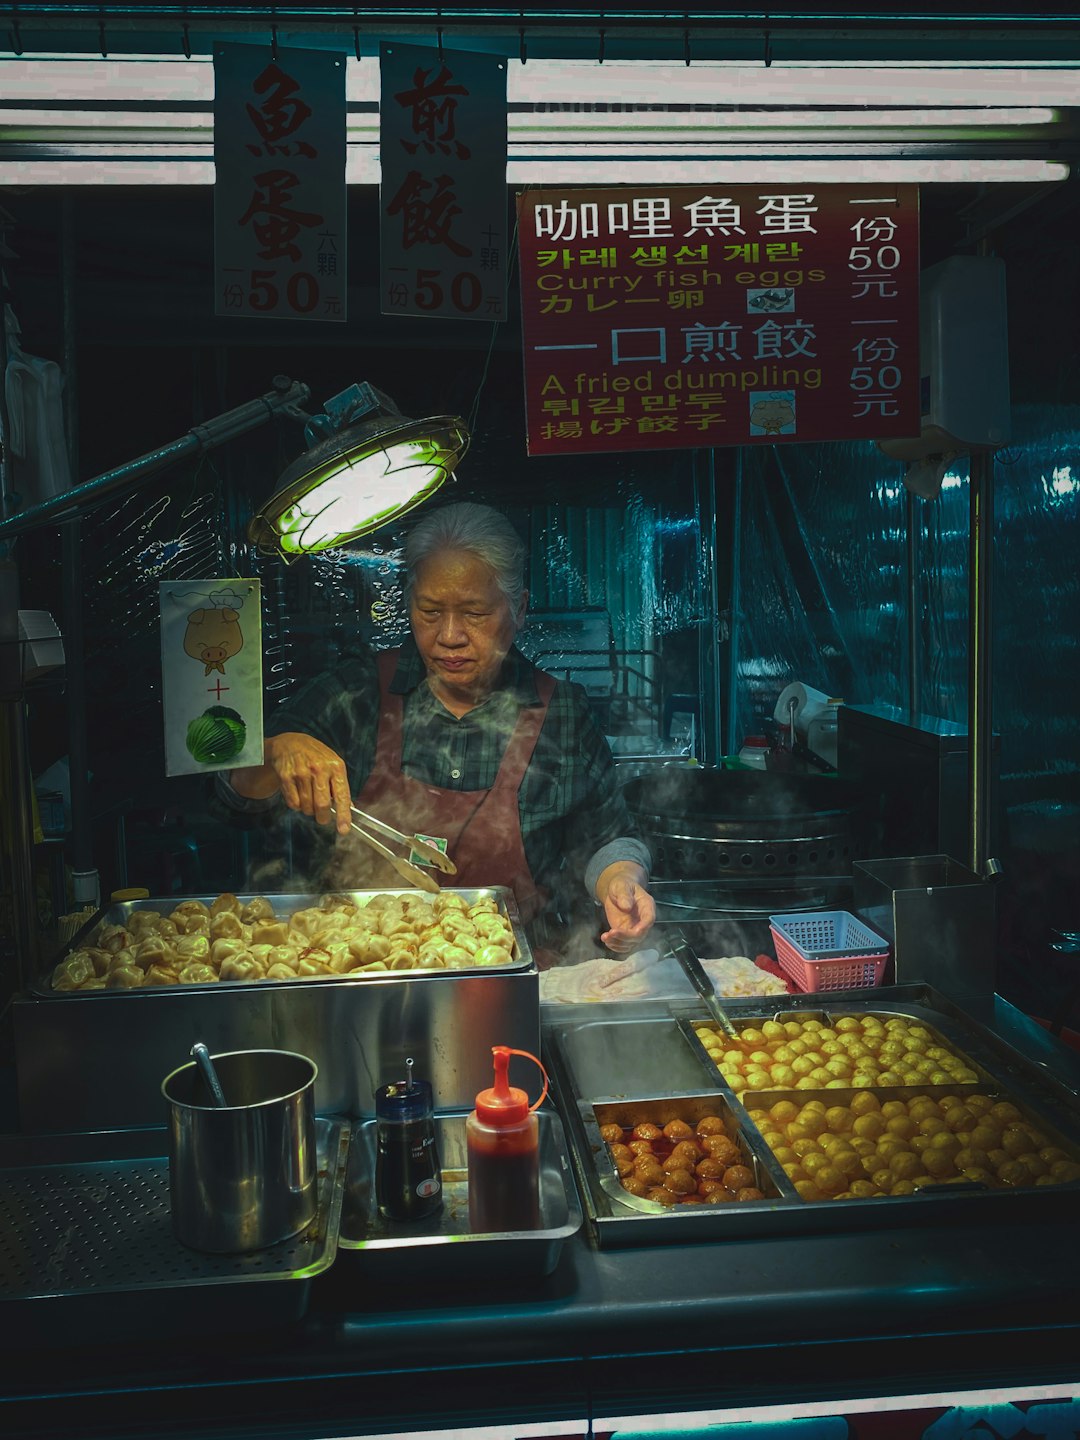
286 398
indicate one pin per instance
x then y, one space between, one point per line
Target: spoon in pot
201 1055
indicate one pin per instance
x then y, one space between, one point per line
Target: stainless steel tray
576 1054
118 914
86 1243
443 1246
631 1055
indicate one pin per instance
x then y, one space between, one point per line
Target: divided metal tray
443 1246
86 1243
654 1068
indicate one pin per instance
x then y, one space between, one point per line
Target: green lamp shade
355 482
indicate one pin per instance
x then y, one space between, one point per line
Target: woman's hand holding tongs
313 778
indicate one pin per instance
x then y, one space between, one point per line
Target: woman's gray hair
482 531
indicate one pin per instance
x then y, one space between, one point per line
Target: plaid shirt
573 816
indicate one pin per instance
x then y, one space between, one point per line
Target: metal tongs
695 972
409 872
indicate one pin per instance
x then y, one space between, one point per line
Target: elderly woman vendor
458 737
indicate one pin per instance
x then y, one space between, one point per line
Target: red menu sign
279 196
669 318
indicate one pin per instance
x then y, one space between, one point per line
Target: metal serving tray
630 1055
442 1246
284 904
90 1061
87 1249
576 1053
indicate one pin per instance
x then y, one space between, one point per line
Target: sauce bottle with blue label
408 1180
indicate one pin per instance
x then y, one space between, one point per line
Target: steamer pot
744 826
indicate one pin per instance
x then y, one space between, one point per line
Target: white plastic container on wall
964 360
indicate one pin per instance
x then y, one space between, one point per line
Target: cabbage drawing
216 736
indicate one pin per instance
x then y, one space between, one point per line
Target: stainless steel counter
668 1328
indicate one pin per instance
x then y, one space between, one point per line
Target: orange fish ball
868 1124
783 1111
936 1163
969 1158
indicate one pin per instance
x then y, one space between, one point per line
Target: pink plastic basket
828 951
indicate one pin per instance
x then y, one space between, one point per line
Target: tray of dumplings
249 940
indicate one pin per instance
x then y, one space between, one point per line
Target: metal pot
743 825
244 1176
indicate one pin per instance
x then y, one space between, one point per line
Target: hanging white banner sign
279 192
443 202
211 674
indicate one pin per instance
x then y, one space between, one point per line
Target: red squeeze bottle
503 1142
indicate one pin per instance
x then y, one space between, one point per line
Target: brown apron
482 827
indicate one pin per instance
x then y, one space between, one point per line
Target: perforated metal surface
106 1226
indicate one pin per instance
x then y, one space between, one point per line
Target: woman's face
463 626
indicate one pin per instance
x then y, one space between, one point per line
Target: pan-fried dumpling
369 948
379 902
162 975
192 922
102 960
258 908
307 921
493 925
368 969
113 938
335 928
73 972
343 903
192 947
491 955
225 904
283 955
96 982
401 960
191 907
124 977
260 953
278 971
222 950
226 925
448 901
310 965
197 973
341 958
142 923
241 967
271 932
154 950
454 958
486 905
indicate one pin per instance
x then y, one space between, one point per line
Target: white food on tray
605 980
735 975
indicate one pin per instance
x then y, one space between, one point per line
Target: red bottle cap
505 1104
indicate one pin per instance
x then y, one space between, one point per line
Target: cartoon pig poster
211 664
